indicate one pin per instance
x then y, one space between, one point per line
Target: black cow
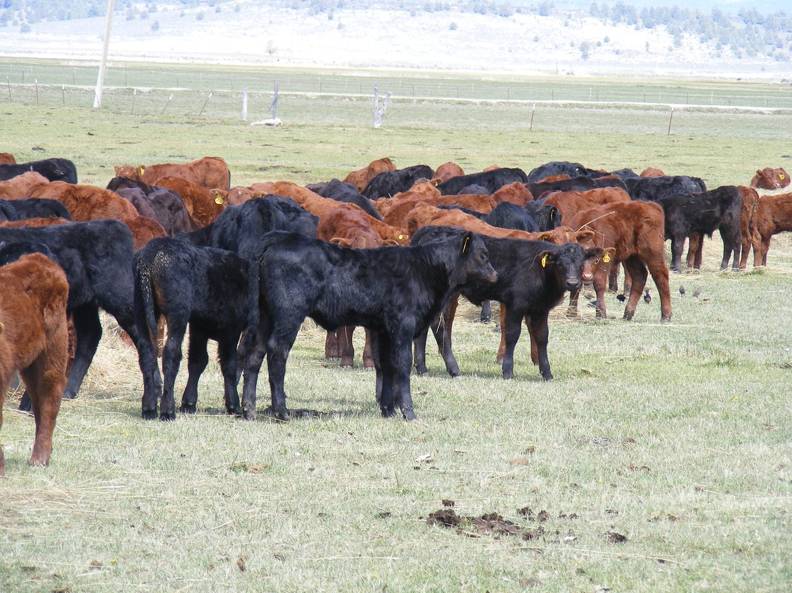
562 168
139 200
652 189
492 181
390 183
167 206
702 214
474 189
532 279
625 173
546 217
212 290
32 208
240 228
52 169
97 259
345 192
538 190
396 291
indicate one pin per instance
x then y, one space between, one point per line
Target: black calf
532 279
703 213
396 291
492 181
562 168
52 169
32 208
652 189
390 183
212 290
345 192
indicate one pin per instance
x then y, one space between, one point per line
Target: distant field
677 436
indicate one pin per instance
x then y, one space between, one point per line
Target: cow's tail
145 307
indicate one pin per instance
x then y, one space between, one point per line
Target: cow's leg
147 355
89 332
659 272
419 349
694 245
368 359
745 250
731 246
638 273
197 359
171 359
279 346
502 345
227 352
699 253
613 278
486 312
572 309
540 333
600 281
383 357
443 337
331 345
44 380
627 280
346 347
252 366
677 244
400 365
765 249
511 331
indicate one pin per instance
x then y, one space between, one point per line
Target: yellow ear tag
465 245
543 261
219 199
781 176
606 258
401 237
141 169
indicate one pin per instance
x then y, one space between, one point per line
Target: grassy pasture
678 436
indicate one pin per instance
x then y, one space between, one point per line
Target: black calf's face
570 264
476 265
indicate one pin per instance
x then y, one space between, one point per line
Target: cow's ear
546 237
391 242
585 235
545 258
466 243
341 242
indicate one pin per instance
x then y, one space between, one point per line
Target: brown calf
446 171
21 185
769 178
637 231
570 203
210 172
773 215
652 172
6 158
203 205
33 295
361 177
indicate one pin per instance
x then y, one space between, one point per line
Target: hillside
518 38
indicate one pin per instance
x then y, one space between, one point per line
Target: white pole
103 64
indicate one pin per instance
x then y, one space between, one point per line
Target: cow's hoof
69 394
234 411
368 363
249 414
187 409
508 375
25 405
149 414
167 416
548 377
421 370
454 371
388 412
665 319
347 363
409 414
281 414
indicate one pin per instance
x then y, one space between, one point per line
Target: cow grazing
624 173
86 202
396 291
541 190
341 191
390 183
52 169
203 205
169 209
490 180
773 215
6 158
33 208
212 290
210 172
514 193
562 168
21 185
652 172
769 178
702 214
532 277
33 341
97 259
655 188
447 171
361 178
637 232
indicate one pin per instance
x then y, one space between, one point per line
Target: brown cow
33 295
571 202
554 178
515 193
21 185
652 172
6 158
637 231
491 168
86 202
32 223
203 205
360 178
773 215
210 172
769 178
446 171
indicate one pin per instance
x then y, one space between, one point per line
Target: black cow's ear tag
544 259
465 244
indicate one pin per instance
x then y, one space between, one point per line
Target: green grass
677 435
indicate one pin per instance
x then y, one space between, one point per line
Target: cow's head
571 264
474 264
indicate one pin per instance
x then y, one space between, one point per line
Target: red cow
769 178
773 215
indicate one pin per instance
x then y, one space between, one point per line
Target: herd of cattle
168 246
